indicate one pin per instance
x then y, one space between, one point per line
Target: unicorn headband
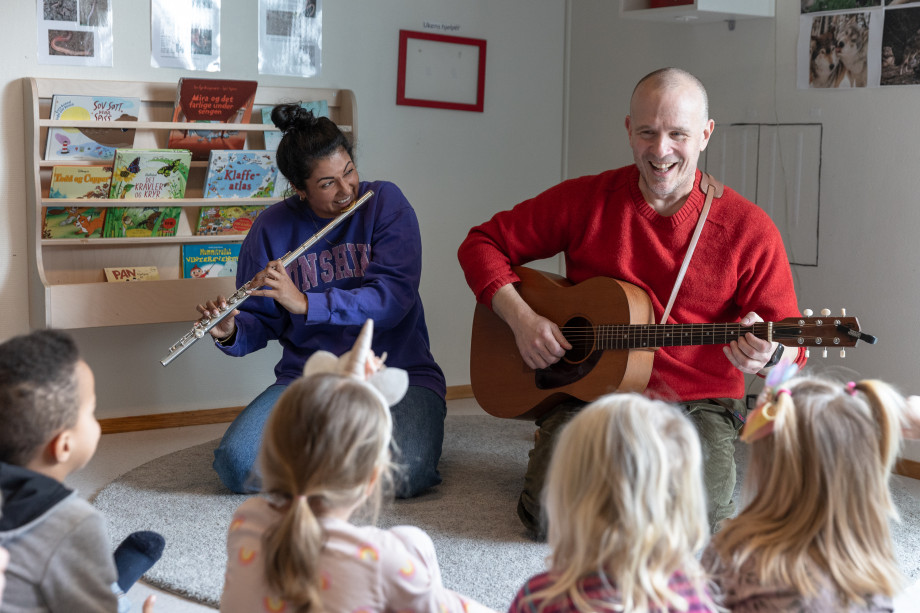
390 384
761 421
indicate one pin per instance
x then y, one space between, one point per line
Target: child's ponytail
292 548
887 407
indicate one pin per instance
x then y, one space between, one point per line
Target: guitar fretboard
632 336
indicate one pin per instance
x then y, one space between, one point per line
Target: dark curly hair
306 139
38 392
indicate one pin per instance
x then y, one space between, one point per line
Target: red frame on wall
402 98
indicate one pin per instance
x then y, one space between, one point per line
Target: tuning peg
843 312
824 353
825 312
843 353
808 312
807 353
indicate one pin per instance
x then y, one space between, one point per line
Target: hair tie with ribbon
761 421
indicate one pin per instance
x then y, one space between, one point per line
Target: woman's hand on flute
212 309
274 282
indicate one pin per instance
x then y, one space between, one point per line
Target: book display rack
67 282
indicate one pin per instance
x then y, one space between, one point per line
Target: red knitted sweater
605 228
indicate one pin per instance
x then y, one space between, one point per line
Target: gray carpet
483 551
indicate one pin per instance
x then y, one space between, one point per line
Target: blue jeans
418 433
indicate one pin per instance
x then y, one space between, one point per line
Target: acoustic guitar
612 356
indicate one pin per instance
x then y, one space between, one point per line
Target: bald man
635 224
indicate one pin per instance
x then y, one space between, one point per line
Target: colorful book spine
73 222
141 174
132 273
227 220
90 144
240 174
211 101
141 222
80 182
76 182
200 260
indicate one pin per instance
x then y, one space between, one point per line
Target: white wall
457 168
870 208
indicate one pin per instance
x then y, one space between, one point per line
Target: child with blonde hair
626 509
325 452
814 533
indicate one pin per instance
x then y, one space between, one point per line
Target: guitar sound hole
578 361
580 334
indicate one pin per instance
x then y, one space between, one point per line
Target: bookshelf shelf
697 11
67 287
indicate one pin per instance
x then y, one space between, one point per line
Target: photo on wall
901 47
840 50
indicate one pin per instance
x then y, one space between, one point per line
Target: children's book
93 144
240 174
211 101
202 260
73 222
223 220
141 221
80 182
149 173
320 108
132 273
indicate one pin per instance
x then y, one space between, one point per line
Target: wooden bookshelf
67 287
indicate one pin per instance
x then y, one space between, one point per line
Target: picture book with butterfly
140 174
319 108
211 101
240 174
141 221
202 260
226 220
90 143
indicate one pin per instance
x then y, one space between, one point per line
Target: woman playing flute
368 268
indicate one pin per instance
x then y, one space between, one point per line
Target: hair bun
292 117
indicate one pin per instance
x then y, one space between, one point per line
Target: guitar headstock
827 331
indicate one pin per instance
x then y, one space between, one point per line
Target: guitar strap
713 189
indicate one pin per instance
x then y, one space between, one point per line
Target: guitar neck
633 336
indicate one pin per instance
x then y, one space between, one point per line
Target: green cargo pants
717 422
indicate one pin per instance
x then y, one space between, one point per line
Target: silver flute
204 325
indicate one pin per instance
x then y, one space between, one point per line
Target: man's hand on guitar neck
539 340
749 354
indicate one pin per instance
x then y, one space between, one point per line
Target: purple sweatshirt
368 267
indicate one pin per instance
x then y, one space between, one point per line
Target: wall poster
291 37
846 44
75 32
185 34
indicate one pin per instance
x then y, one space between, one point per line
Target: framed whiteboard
441 71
